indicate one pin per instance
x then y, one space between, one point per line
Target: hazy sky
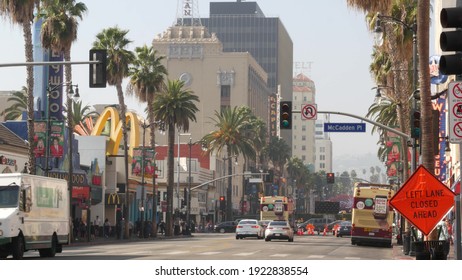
328 34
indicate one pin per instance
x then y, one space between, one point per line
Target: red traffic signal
222 198
330 177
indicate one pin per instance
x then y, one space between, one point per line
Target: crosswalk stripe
244 254
174 252
209 253
279 255
316 256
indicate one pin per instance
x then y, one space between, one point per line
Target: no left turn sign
309 112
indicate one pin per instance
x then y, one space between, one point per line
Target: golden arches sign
115 132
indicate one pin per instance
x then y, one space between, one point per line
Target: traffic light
330 177
285 115
98 70
415 124
222 203
451 41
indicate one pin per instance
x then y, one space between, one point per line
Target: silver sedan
279 230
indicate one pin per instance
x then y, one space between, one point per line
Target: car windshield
345 224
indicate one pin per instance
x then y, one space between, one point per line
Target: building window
225 92
322 157
303 127
303 137
322 165
303 148
322 149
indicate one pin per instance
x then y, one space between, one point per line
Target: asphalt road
224 247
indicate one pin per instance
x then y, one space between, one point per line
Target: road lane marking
209 253
175 253
279 255
315 256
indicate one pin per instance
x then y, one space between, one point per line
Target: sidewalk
110 240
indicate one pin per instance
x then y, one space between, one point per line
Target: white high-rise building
303 131
323 145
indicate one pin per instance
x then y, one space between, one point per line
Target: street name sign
423 200
455 115
344 127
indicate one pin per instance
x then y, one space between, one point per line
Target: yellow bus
276 208
372 218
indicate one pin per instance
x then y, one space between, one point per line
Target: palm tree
19 100
175 107
230 135
114 40
58 33
80 113
146 79
22 13
278 152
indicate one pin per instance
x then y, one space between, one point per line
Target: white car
248 228
279 230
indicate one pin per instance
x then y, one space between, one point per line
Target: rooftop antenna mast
188 13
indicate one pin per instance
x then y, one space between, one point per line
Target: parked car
318 224
227 226
344 229
279 230
248 228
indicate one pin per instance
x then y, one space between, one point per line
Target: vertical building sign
273 116
55 86
440 158
187 8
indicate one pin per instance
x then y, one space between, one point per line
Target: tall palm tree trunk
27 32
152 125
229 199
428 155
170 179
126 213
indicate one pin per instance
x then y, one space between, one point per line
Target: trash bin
431 250
421 251
439 249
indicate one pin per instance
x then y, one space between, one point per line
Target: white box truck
34 215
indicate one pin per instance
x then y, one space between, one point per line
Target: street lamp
188 196
178 169
379 34
71 95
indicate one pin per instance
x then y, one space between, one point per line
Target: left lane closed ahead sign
423 200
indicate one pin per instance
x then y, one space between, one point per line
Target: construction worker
336 227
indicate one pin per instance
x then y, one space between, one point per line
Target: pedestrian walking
107 228
161 226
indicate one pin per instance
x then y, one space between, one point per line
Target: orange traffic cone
299 231
324 232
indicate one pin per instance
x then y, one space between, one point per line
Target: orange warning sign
423 200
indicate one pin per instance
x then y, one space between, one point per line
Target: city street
217 246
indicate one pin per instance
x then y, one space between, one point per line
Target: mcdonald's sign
115 134
113 199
